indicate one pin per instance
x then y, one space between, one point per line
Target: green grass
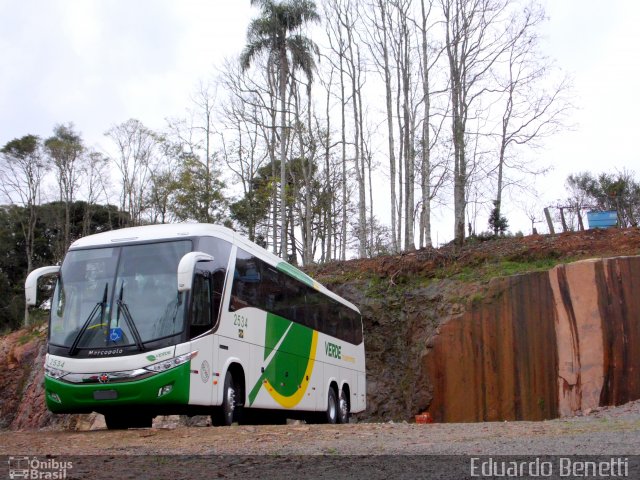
486 271
480 271
35 329
29 335
476 298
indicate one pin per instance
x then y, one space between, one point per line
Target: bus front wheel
225 415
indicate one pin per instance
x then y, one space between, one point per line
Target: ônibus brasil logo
34 468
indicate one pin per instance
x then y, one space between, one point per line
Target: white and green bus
194 319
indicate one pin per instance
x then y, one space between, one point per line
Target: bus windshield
118 296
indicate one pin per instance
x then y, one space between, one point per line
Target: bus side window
201 295
332 325
290 303
221 251
216 292
357 329
346 324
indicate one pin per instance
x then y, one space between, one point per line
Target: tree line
47 248
441 100
446 97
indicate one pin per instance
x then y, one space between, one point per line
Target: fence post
549 222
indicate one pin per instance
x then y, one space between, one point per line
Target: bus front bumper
165 388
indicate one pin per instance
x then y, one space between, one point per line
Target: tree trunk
274 189
283 153
362 219
401 154
409 170
308 173
29 243
425 213
389 105
503 147
329 216
363 162
343 240
458 131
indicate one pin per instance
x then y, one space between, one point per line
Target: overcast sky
97 63
100 62
598 43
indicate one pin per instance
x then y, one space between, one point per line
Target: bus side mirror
31 283
186 267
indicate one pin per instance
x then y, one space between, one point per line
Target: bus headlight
54 372
165 365
55 397
165 390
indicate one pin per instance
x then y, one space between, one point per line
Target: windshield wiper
127 317
100 305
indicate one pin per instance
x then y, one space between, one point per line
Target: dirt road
364 450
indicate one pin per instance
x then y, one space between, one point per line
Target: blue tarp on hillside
607 219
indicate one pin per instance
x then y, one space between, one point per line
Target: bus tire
229 400
331 415
343 407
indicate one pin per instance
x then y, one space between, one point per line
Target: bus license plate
105 395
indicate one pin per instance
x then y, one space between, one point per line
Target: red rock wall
21 379
492 362
541 345
22 401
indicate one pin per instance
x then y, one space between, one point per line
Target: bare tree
343 19
380 49
247 143
475 36
336 33
95 175
66 153
327 254
394 47
307 150
278 33
161 204
250 138
531 110
427 141
203 110
136 149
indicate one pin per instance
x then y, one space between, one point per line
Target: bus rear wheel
343 408
331 415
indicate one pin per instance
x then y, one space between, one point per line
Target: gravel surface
608 430
357 450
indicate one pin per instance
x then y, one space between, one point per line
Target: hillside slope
469 333
407 301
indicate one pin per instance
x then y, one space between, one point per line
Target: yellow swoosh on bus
292 400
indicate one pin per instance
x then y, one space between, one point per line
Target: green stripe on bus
77 398
285 372
275 329
295 273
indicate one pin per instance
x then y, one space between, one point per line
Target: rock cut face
541 345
